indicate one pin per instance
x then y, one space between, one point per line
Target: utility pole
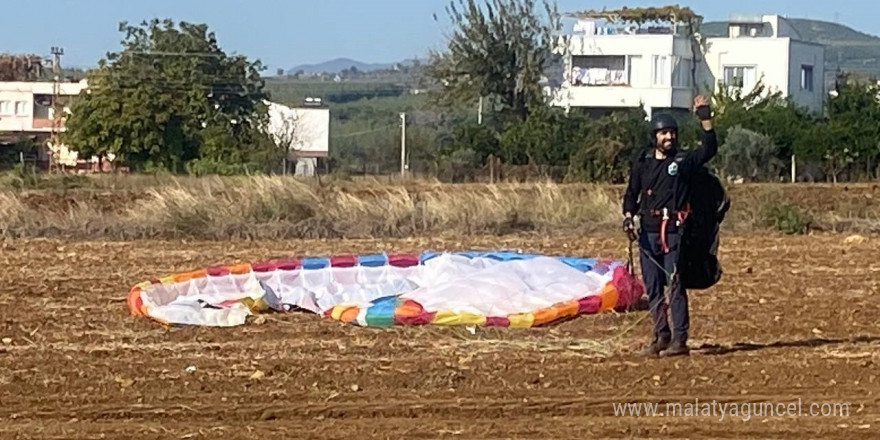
480 113
403 145
56 91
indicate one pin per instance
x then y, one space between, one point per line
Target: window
661 70
637 77
743 77
807 78
20 108
5 108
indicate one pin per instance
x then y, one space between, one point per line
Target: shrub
787 218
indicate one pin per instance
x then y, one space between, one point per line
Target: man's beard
673 145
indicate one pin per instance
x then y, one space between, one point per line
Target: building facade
612 67
27 107
27 111
767 49
609 66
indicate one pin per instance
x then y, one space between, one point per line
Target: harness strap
659 212
683 214
663 245
680 217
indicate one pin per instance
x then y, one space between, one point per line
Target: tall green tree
852 120
169 98
847 139
499 52
607 146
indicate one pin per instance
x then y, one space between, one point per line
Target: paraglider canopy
498 288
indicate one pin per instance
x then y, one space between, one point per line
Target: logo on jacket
672 169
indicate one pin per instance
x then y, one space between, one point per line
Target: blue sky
287 33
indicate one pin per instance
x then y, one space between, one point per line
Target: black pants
656 282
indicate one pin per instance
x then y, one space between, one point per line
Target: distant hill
845 47
339 64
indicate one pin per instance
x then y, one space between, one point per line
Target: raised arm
709 147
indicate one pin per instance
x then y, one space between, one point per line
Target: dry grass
127 207
277 207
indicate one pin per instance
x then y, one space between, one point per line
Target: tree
287 134
499 54
608 146
748 154
547 137
172 96
852 120
771 114
846 139
479 138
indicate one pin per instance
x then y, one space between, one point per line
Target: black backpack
699 267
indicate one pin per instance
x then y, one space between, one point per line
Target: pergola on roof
671 13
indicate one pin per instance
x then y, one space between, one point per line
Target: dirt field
795 318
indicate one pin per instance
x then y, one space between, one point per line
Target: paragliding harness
708 204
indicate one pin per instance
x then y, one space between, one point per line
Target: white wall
812 55
305 130
778 60
10 120
769 56
614 97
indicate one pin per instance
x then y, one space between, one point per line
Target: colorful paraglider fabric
503 289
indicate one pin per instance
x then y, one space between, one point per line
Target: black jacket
656 184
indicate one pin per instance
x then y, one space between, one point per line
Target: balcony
598 71
45 124
42 123
597 76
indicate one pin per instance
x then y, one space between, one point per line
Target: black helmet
662 121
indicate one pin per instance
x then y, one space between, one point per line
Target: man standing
658 192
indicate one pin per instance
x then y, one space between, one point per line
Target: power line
358 133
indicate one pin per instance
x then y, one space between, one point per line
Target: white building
26 107
610 66
769 49
615 67
27 111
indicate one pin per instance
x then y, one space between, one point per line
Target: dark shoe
676 349
654 348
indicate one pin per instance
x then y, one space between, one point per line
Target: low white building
27 110
607 65
26 107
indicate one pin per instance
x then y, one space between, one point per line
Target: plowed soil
794 318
